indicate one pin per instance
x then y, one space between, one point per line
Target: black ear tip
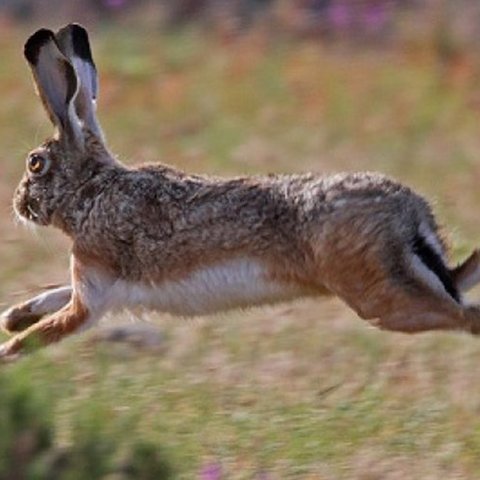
73 29
79 38
35 43
77 27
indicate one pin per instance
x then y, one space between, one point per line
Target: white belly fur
231 284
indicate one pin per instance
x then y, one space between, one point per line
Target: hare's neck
76 206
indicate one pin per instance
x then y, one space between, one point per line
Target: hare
161 239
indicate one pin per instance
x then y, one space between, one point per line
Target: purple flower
339 15
263 476
211 471
375 17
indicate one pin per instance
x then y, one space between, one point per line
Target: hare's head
66 81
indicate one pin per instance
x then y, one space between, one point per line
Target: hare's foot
21 316
48 330
472 314
18 318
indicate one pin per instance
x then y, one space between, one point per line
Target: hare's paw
23 315
18 318
8 351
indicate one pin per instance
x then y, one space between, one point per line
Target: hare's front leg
50 329
80 306
23 315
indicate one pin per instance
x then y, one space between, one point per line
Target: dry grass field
298 391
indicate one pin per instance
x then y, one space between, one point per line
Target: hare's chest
227 285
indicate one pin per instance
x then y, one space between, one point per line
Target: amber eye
37 164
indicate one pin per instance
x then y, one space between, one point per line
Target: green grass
302 391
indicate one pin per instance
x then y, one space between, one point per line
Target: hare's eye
37 164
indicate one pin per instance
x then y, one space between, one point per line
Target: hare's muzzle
27 207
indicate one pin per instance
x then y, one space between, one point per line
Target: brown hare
162 239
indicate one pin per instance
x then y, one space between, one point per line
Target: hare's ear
56 82
74 44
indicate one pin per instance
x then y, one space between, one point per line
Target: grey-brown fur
353 235
151 222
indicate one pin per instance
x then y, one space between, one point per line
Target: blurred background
298 391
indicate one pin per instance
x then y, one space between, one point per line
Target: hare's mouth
34 212
32 215
30 210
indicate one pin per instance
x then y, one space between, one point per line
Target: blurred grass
299 391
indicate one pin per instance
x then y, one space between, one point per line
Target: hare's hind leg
429 299
23 315
424 311
430 313
412 290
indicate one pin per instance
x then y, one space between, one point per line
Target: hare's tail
432 259
454 280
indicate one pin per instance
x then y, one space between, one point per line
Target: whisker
32 212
